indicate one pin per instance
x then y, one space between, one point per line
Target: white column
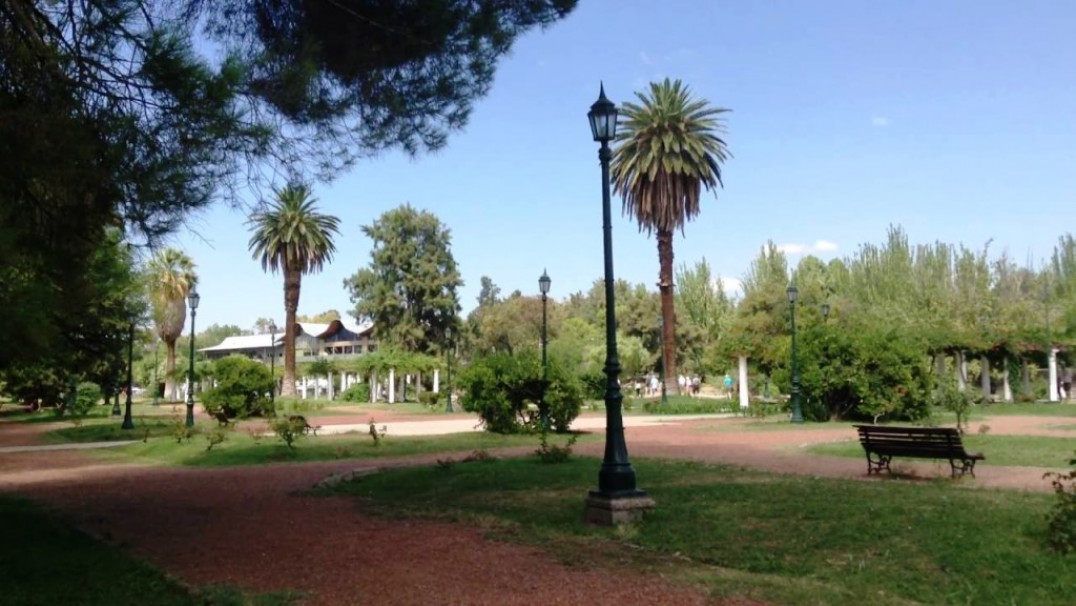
392 386
332 391
961 371
984 378
374 385
302 388
436 381
1054 397
1006 388
745 400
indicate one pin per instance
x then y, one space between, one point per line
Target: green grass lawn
45 561
1021 451
1035 408
242 448
784 539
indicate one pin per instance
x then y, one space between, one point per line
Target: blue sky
956 120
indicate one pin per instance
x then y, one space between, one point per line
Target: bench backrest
910 440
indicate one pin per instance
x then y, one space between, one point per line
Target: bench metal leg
965 466
876 463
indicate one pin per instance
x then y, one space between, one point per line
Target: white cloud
645 58
879 121
733 288
806 249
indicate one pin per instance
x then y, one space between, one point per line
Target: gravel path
250 526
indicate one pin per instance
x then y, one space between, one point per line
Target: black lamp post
543 286
797 407
192 299
616 479
272 360
128 422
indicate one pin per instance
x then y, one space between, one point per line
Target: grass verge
241 448
46 561
782 539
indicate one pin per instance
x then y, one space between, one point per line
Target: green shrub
692 407
862 372
242 390
289 428
87 395
949 397
429 398
552 453
358 392
1061 521
501 388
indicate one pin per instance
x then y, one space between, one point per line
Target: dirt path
250 527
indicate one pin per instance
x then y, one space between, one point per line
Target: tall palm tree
668 148
291 236
170 275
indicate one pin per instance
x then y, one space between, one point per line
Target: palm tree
290 235
170 275
668 148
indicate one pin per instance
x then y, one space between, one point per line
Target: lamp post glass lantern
543 286
616 479
272 360
192 300
797 406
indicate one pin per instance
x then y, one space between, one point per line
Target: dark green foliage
553 453
87 395
680 405
372 74
429 398
409 289
242 388
862 373
289 429
1061 521
501 388
358 392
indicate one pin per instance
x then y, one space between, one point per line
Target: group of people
651 385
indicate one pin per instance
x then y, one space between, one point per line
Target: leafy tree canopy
410 288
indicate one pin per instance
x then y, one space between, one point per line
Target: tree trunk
668 312
292 284
170 371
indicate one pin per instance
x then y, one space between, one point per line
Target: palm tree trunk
170 372
668 312
292 284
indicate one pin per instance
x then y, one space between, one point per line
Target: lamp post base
613 510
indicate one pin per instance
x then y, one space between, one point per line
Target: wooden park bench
882 443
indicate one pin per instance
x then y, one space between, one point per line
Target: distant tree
170 276
291 236
261 326
214 334
410 288
322 318
489 293
668 149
